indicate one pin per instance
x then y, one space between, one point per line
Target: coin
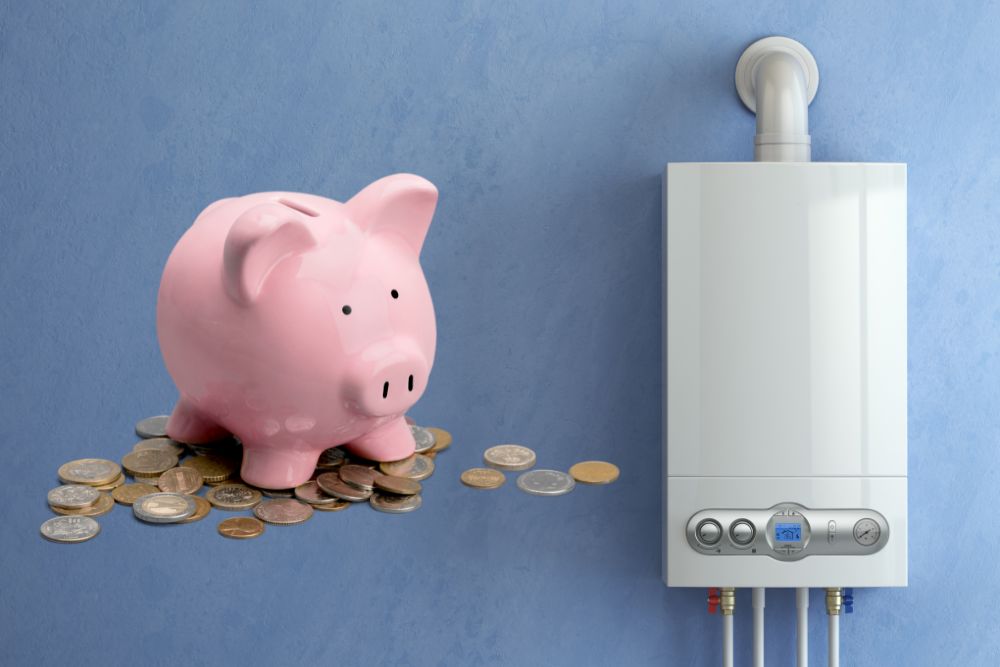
312 494
442 439
201 509
128 494
417 467
233 497
73 496
226 448
594 472
180 480
509 457
152 427
394 504
70 529
360 477
241 527
276 493
89 471
103 505
335 507
164 507
483 478
331 484
331 458
402 486
283 511
113 484
148 462
545 482
212 468
162 444
423 438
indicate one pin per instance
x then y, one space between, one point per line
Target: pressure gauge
867 532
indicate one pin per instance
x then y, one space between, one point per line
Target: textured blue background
546 127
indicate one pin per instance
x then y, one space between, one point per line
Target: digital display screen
788 532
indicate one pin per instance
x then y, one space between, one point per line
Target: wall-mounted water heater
785 401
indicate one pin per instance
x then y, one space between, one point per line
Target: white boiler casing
785 395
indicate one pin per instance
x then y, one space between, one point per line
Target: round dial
867 532
709 531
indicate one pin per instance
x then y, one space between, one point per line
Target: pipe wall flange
745 68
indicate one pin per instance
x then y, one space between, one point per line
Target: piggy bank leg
188 424
390 442
274 468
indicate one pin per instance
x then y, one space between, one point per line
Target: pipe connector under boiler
777 78
728 601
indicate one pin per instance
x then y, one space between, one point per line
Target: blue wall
546 127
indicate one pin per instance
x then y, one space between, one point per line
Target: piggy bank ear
401 204
257 242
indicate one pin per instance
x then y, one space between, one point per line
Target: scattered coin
334 507
283 511
164 507
331 484
148 462
423 438
213 469
442 439
201 509
103 505
89 471
331 458
417 466
161 444
152 427
509 457
233 497
73 496
241 527
402 486
393 504
180 480
315 496
360 477
129 493
70 529
545 482
483 478
113 484
594 472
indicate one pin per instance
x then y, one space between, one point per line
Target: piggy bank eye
346 310
395 294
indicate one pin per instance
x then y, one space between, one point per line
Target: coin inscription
70 529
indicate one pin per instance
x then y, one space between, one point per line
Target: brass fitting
728 601
834 601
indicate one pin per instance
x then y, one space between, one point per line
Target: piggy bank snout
387 378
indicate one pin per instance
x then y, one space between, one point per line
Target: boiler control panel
787 531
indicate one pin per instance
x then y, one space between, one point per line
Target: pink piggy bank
297 323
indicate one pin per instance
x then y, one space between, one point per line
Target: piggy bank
298 323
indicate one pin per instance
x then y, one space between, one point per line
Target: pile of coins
168 477
515 458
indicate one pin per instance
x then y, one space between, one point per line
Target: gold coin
148 462
113 484
129 493
442 439
180 480
333 507
415 466
103 505
483 478
201 509
594 472
89 471
213 469
241 527
233 496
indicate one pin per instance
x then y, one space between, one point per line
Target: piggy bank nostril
385 390
410 387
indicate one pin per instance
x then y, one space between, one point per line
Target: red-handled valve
713 600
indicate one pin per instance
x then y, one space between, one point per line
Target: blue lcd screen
788 532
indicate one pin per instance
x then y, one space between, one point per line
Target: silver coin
152 427
73 496
545 482
70 529
394 504
331 458
312 494
160 444
425 439
164 507
331 484
509 457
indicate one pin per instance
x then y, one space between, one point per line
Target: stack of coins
501 458
169 479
